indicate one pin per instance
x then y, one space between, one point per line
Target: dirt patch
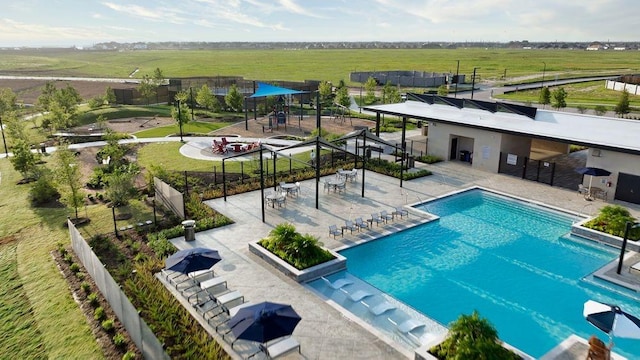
7 240
28 90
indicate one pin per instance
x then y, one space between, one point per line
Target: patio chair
341 186
282 200
349 225
361 224
375 217
386 216
583 190
338 284
333 230
400 211
224 141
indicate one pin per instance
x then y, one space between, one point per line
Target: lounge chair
349 225
400 211
338 284
361 224
275 349
386 216
380 308
375 217
357 295
407 326
597 350
333 230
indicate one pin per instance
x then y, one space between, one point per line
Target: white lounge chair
407 326
380 308
338 284
357 295
400 211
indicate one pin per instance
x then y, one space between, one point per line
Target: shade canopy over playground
265 89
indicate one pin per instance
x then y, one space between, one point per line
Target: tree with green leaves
14 127
545 96
623 106
60 103
146 88
68 178
342 97
120 187
370 90
180 113
391 94
109 96
24 160
234 99
599 110
443 90
559 96
325 89
47 96
206 99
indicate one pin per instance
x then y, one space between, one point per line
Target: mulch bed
103 337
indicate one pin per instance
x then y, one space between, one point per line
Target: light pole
473 81
630 225
180 120
544 69
455 94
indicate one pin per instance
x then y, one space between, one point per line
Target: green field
332 65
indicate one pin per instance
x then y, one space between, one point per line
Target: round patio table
236 147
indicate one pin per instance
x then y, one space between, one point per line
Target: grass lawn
124 111
50 324
196 127
588 94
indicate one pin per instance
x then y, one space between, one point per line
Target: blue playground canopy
272 90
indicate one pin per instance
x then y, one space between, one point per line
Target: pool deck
324 332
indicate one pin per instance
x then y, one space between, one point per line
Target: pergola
265 90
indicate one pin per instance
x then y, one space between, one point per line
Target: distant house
594 46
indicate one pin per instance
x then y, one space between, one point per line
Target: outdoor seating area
226 311
276 198
358 224
224 146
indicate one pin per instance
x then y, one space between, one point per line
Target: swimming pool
513 261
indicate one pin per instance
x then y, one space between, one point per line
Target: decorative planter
314 272
615 241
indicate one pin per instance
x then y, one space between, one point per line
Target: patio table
290 188
236 147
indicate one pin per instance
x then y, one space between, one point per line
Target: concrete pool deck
324 332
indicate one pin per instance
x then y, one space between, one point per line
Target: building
496 137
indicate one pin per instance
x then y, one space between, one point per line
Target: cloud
291 6
12 31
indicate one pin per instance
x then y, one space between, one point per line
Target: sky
82 23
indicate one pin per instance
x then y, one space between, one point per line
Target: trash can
367 153
419 125
43 148
464 155
189 230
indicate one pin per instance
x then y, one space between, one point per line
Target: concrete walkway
325 332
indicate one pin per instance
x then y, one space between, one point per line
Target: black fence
554 173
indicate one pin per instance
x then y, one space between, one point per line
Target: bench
267 129
281 347
635 269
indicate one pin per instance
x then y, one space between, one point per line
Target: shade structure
612 320
264 322
194 259
272 90
592 171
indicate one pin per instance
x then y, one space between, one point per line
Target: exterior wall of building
553 146
484 145
615 162
517 145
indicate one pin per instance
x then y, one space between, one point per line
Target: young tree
234 99
182 96
325 88
623 106
443 90
206 99
59 118
180 113
14 127
581 109
559 98
342 97
68 178
24 161
391 94
47 96
370 89
146 88
545 96
109 96
158 80
8 100
120 187
600 110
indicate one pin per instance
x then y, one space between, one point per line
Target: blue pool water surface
512 261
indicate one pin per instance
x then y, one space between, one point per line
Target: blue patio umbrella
612 320
592 171
264 322
194 259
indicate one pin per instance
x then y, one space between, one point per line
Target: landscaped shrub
472 337
429 159
99 313
160 245
80 275
93 299
75 267
612 219
129 356
301 251
119 340
42 191
108 325
85 286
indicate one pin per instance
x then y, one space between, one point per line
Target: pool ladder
582 212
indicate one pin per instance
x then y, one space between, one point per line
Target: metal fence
170 197
555 173
140 333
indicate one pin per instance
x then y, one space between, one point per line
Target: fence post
290 165
524 167
241 172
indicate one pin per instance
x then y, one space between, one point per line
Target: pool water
513 261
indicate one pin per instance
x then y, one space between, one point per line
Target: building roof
579 129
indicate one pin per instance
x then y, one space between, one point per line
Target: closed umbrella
612 320
264 322
194 259
592 171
